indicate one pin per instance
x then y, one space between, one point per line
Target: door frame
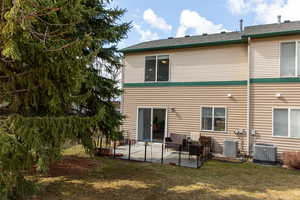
151 128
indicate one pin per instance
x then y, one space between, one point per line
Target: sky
159 19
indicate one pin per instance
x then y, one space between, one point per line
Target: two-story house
244 82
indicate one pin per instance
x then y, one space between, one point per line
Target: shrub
291 159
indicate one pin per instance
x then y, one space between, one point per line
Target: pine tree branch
18 74
6 61
61 48
51 24
45 36
19 91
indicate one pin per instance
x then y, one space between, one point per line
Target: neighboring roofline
272 34
205 44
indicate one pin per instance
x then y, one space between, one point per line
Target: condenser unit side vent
230 148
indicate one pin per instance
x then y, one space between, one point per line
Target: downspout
249 99
122 87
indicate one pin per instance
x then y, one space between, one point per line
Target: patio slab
154 154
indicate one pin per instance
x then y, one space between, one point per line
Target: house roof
258 31
269 30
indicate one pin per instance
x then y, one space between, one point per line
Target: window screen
206 118
219 119
288 59
163 68
280 126
295 123
150 68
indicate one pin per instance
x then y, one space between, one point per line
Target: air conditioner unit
230 148
266 153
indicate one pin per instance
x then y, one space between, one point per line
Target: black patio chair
196 149
206 142
175 141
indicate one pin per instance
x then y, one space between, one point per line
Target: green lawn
117 179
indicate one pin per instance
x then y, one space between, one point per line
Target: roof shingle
266 30
272 28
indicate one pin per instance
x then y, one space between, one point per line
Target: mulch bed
72 165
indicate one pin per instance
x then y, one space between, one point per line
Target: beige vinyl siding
265 59
263 99
220 63
187 102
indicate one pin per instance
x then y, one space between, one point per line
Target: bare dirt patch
72 166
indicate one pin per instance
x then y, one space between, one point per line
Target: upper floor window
290 59
157 68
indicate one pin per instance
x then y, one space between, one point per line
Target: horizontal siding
222 63
263 99
187 102
265 58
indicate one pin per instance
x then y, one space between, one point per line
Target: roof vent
287 21
187 36
241 25
222 32
204 34
170 38
279 19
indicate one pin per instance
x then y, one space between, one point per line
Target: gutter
249 99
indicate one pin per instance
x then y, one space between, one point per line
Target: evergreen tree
104 92
48 85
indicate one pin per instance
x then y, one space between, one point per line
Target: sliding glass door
151 124
159 125
144 124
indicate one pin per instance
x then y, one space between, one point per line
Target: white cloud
146 35
155 21
238 6
192 20
266 11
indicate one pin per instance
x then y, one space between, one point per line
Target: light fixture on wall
278 95
229 95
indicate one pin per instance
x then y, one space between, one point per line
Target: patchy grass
117 179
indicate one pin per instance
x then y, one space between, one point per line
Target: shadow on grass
115 179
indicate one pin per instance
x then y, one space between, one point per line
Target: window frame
297 73
213 118
156 67
289 121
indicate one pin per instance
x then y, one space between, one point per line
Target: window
207 118
213 119
163 68
281 121
286 122
150 68
290 59
157 68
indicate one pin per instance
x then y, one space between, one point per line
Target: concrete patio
154 154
